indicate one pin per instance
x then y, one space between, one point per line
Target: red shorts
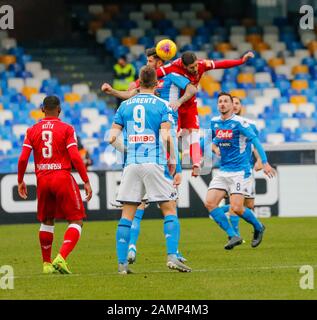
59 197
188 118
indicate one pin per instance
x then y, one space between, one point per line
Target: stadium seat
240 93
288 108
290 123
261 77
148 7
80 88
310 136
272 93
245 78
8 43
299 84
16 83
243 47
223 47
102 35
5 145
33 66
275 138
307 108
268 54
33 82
5 115
29 91
43 74
72 98
37 99
95 9
254 110
36 114
7 59
260 124
298 99
284 70
19 130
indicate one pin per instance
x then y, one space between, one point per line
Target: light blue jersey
141 117
249 143
231 137
170 88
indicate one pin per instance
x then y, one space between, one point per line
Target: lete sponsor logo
224 134
141 138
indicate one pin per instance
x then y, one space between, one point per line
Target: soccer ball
166 49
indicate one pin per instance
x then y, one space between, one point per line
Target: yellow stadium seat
245 78
312 46
274 62
204 111
298 99
112 8
129 41
28 91
188 31
240 93
261 46
300 69
223 47
299 84
209 85
36 114
7 59
72 97
1 106
254 38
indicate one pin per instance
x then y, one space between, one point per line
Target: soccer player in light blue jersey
176 89
147 121
256 165
231 133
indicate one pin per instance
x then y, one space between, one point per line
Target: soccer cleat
233 241
180 257
116 204
174 264
257 237
48 268
123 269
131 255
61 265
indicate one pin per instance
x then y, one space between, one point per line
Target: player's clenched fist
23 192
247 56
106 87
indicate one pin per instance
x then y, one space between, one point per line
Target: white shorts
250 187
231 182
146 178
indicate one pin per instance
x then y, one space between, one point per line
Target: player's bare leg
237 206
71 238
213 199
123 236
46 237
171 231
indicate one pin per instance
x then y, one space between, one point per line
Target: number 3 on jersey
47 137
139 118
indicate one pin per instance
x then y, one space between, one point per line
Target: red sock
71 238
46 235
195 153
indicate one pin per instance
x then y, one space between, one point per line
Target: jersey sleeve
207 65
212 137
27 140
118 118
246 130
166 114
168 68
255 129
180 81
71 139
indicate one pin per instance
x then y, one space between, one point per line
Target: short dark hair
188 57
148 78
151 52
123 57
235 97
51 102
225 94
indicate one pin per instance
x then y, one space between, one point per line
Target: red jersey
203 66
54 145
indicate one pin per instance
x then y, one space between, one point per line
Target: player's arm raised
190 91
169 143
124 95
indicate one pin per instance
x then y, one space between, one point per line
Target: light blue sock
219 216
135 228
234 220
249 217
171 228
122 239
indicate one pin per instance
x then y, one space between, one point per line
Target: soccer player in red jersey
54 145
191 67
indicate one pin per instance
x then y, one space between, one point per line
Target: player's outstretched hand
247 56
88 191
175 105
22 189
269 171
177 179
106 88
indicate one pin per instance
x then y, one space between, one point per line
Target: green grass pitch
270 271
